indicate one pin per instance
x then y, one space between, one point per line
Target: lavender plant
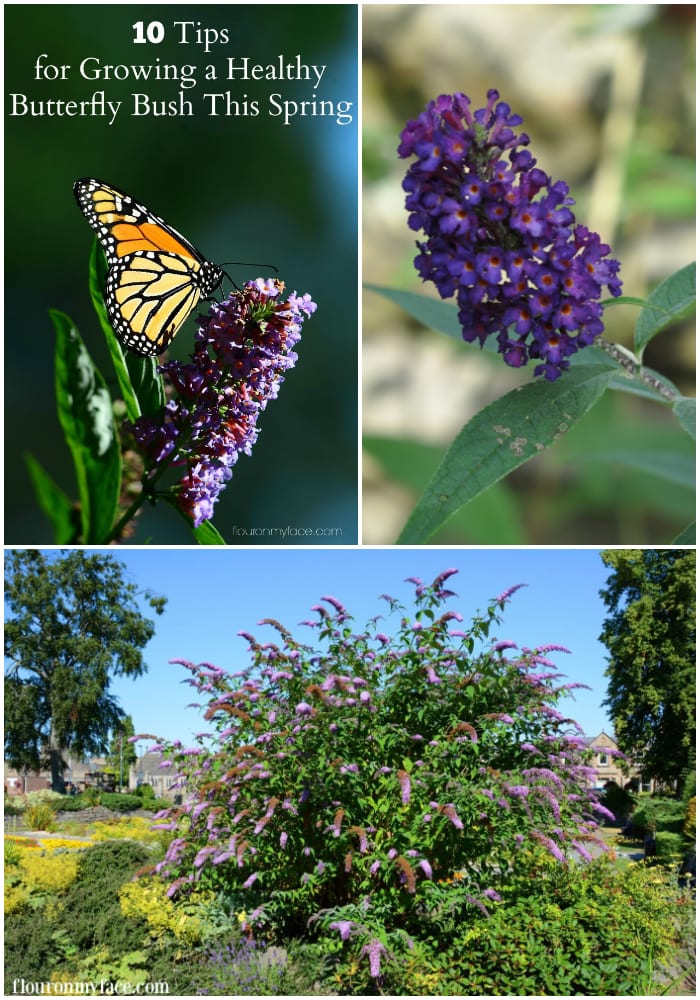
369 788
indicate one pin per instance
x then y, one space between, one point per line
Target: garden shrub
30 951
64 843
371 790
41 796
670 847
145 792
121 803
74 803
589 930
91 797
134 828
90 913
657 813
147 899
64 906
49 872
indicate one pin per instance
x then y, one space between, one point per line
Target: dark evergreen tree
650 633
73 622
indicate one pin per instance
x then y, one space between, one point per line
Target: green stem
634 367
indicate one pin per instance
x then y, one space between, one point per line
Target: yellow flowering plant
135 828
49 872
147 899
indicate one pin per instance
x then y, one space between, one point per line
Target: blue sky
214 594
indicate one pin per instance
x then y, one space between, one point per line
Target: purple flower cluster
243 348
501 235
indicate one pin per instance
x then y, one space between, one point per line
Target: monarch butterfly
155 277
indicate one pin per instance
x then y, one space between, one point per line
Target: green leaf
500 438
58 507
85 415
440 316
206 534
97 274
684 410
687 536
493 518
674 297
146 383
630 300
674 468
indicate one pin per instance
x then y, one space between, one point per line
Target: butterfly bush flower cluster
501 235
243 348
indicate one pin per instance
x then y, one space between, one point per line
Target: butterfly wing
156 277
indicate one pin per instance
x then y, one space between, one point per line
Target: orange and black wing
155 278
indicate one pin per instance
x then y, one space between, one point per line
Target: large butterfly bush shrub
175 430
499 237
382 791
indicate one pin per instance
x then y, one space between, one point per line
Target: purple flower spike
243 349
501 235
375 949
344 927
405 782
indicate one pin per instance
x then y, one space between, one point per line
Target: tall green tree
73 623
650 634
121 754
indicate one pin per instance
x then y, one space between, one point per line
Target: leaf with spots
503 436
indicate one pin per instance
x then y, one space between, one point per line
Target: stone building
610 767
146 770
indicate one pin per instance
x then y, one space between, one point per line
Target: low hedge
119 802
661 813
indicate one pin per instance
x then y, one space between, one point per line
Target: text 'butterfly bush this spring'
243 347
501 235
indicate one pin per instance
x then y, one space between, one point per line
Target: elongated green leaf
440 316
146 383
140 385
673 467
493 518
206 534
674 297
97 273
684 410
686 537
500 438
85 414
58 507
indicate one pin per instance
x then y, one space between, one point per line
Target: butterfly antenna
243 263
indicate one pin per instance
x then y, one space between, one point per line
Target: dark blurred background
607 93
241 189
